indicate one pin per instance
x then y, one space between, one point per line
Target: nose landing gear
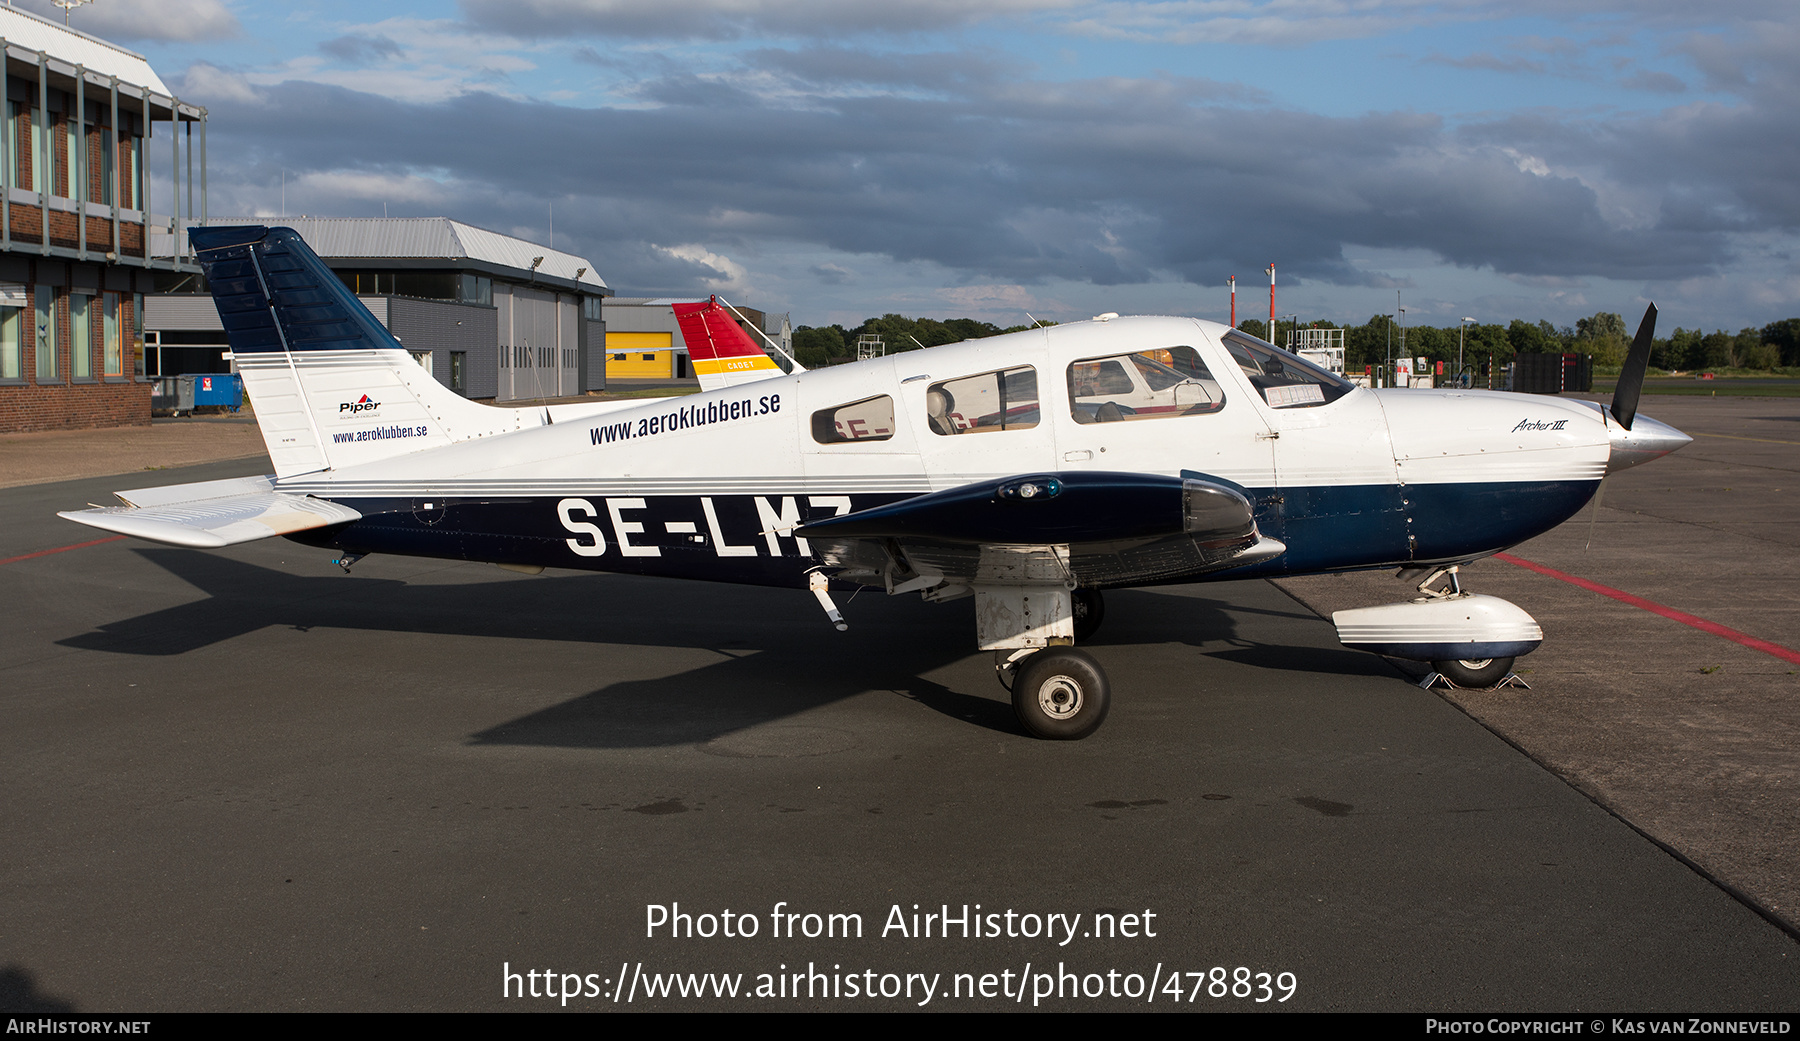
1470 639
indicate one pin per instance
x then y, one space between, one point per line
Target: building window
134 188
81 336
459 371
101 159
476 289
590 308
115 348
428 285
71 152
12 344
368 283
19 144
45 345
137 334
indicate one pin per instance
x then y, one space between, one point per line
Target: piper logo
364 404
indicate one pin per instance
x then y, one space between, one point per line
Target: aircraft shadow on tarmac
777 655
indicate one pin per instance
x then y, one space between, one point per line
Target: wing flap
211 514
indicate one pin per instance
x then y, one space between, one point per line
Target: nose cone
1646 440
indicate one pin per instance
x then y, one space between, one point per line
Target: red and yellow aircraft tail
723 355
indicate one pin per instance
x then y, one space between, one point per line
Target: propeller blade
1631 375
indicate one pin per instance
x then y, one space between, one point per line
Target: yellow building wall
638 356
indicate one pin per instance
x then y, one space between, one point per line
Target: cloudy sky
839 159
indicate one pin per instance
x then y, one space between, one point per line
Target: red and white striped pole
1271 302
1233 281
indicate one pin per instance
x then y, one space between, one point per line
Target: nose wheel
1479 674
1060 694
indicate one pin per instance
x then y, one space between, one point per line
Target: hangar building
490 316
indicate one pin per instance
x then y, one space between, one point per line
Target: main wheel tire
1478 674
1061 694
1089 609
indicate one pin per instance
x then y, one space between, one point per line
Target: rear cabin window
1004 400
1284 380
1153 384
871 419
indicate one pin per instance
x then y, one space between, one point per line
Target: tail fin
723 355
330 385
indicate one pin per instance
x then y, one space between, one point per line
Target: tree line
1604 335
815 347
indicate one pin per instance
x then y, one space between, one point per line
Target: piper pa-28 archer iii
1030 471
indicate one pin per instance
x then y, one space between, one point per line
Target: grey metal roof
78 48
436 238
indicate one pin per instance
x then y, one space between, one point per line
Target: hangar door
639 356
539 344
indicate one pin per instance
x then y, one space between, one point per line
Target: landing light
1033 488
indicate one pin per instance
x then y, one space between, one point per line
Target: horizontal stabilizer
212 513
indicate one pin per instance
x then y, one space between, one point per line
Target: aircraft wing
212 513
1084 527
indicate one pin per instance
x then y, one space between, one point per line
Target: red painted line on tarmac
59 549
1655 608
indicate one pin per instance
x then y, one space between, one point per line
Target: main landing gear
1058 692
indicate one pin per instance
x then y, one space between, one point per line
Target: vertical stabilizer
331 387
722 353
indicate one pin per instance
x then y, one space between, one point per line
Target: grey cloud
132 20
1555 46
827 65
1109 181
1658 82
688 90
361 50
1488 62
715 20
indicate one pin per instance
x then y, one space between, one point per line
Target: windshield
1284 379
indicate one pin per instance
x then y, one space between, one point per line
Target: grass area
1761 386
1782 372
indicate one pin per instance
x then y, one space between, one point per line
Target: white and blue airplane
1030 471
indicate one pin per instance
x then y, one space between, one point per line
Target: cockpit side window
1284 379
1153 384
1004 400
871 419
